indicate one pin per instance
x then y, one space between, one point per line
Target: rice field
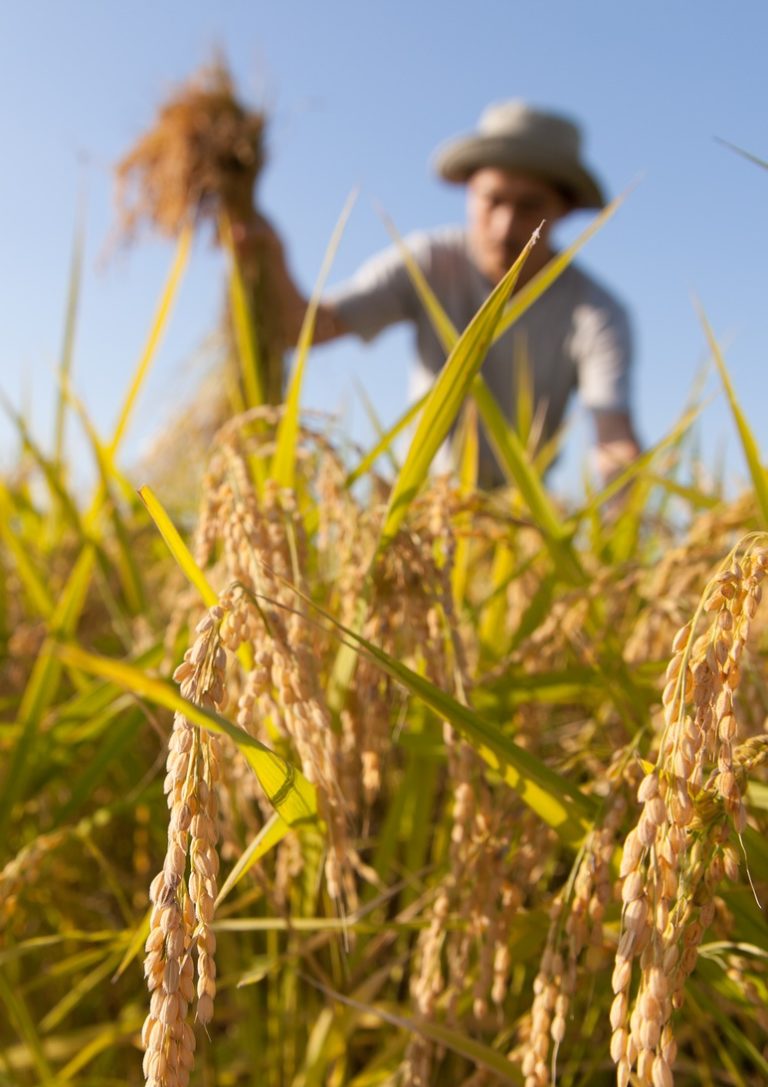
331 775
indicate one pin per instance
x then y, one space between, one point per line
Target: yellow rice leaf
242 321
292 796
494 615
533 290
748 440
158 327
268 837
468 452
67 347
385 441
441 322
135 946
176 546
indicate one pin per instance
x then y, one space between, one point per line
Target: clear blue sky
361 94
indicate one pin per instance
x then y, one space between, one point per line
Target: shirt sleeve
381 292
602 347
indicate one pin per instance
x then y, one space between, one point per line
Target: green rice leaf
514 460
18 1014
33 583
640 466
449 1037
745 154
552 797
446 397
292 796
284 462
43 683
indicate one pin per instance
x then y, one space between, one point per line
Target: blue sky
360 95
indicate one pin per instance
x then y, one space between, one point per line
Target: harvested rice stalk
201 160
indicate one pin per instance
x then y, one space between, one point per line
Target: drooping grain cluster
575 948
692 802
183 893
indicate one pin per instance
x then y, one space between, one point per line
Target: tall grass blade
177 547
18 1013
33 583
385 442
746 435
246 338
284 462
68 344
745 154
65 503
448 1037
516 463
552 797
273 832
377 426
43 683
641 465
158 327
446 397
468 457
534 289
444 327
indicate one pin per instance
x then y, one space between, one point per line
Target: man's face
503 210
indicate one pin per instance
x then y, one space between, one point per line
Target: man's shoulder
588 290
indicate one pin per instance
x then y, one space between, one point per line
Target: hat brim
458 160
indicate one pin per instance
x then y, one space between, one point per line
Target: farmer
521 167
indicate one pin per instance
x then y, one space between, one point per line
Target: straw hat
514 136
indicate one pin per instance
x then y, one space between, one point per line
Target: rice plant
353 780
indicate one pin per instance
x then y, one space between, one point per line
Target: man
521 167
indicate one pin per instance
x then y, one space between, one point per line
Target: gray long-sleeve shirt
575 337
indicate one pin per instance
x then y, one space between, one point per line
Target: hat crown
517 137
516 120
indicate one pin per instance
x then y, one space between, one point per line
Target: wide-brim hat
514 136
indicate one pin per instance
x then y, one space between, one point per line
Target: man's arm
257 241
616 444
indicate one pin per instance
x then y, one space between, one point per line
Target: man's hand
258 244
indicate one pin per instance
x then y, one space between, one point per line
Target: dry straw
205 150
